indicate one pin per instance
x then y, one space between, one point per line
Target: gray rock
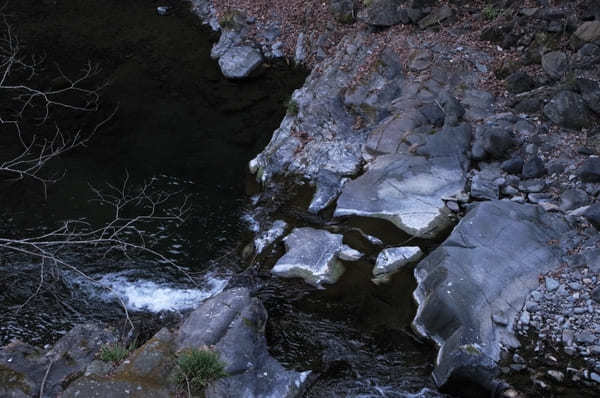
329 186
551 284
312 255
240 61
382 13
589 171
586 336
534 168
592 214
568 109
588 31
406 191
301 51
483 187
436 16
513 165
420 60
271 235
453 110
392 259
555 64
532 186
596 294
572 199
229 38
590 91
497 142
488 265
519 82
101 387
68 358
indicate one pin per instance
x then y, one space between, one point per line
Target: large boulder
482 273
314 255
239 62
568 109
234 323
407 188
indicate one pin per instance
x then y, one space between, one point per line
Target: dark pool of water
179 124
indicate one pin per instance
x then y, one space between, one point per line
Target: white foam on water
147 295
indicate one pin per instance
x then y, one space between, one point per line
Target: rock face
314 255
484 270
240 61
391 260
321 134
407 189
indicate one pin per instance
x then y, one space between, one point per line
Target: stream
184 128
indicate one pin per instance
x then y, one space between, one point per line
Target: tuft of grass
115 353
490 12
196 368
227 20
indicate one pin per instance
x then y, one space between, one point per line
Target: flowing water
190 132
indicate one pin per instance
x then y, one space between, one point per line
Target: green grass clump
490 12
292 107
114 352
197 368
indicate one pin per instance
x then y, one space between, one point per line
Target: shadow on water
178 121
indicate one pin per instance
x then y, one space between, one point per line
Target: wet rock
519 82
312 255
268 237
568 109
555 64
328 187
240 61
534 168
592 214
589 171
391 260
457 291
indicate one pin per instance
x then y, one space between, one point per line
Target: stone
572 199
590 92
588 31
532 186
301 52
555 64
382 13
390 260
328 188
513 165
453 110
69 357
589 171
312 255
488 264
406 191
585 336
556 375
519 82
342 10
497 142
568 109
551 284
596 294
592 214
436 16
420 59
534 168
483 187
240 61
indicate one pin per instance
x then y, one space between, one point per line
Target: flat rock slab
313 255
390 260
484 270
406 191
240 61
